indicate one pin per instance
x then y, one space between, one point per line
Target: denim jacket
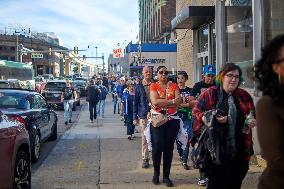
141 103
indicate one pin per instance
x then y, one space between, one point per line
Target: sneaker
180 159
92 121
70 121
66 122
185 166
155 180
145 163
168 182
136 131
132 136
202 182
129 137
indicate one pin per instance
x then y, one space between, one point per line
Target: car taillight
19 119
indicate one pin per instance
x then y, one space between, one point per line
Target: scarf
232 118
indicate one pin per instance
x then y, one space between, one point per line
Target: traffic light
75 50
49 50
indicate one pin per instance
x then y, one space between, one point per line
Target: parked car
32 110
53 93
81 86
14 154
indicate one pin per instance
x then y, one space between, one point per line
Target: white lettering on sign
118 53
37 55
154 61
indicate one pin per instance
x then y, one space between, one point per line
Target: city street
99 155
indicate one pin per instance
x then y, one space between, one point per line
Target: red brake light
18 118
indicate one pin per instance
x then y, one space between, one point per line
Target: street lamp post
140 54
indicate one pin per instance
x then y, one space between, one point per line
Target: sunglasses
163 72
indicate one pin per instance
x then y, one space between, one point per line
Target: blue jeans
187 125
68 105
115 104
101 108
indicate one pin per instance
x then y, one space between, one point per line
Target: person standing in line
234 119
184 112
101 103
165 98
128 98
115 99
269 113
68 96
208 80
93 94
141 110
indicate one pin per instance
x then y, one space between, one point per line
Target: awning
193 16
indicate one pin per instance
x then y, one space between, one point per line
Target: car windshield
14 100
55 85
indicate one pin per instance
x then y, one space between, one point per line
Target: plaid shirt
208 100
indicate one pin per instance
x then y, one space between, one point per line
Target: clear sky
101 23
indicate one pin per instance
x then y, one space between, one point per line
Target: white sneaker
202 182
92 121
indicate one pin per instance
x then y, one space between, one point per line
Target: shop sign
154 61
118 53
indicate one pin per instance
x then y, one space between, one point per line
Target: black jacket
93 94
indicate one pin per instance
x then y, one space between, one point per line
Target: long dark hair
267 79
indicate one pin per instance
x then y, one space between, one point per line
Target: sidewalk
99 155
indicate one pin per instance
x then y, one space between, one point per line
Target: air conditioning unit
238 3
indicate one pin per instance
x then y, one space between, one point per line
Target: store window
273 19
239 37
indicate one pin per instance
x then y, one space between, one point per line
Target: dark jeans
163 140
129 124
93 110
229 175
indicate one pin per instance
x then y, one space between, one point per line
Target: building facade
153 55
155 20
221 31
48 64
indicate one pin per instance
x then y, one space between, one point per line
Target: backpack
103 92
68 94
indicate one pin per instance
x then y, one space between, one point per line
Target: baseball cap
209 69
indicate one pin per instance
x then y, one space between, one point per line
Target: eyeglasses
231 76
163 72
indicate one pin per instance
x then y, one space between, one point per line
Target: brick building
49 64
155 20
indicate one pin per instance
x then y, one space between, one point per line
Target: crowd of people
216 115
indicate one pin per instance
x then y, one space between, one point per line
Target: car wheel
53 135
22 171
36 148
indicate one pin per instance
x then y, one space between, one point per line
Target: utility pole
17 46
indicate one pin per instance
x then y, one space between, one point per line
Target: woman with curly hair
270 112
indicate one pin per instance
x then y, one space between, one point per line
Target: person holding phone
232 105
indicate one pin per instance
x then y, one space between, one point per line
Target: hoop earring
279 79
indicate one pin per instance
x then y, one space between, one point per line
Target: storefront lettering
154 61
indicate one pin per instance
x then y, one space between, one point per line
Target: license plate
56 95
